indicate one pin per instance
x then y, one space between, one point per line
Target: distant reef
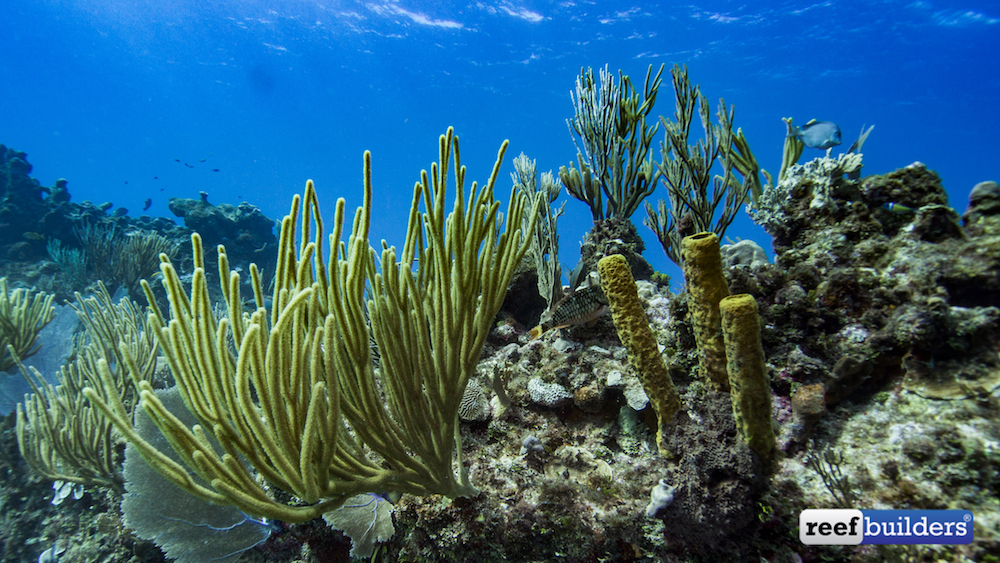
60 246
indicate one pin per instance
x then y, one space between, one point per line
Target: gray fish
819 134
582 306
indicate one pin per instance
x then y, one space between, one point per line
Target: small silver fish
582 306
819 134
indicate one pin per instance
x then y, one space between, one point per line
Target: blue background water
108 93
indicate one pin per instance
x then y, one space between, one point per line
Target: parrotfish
582 306
147 204
819 134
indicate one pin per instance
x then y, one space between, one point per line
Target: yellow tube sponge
643 351
706 286
751 393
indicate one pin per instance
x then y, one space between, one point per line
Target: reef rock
907 289
615 236
244 230
21 207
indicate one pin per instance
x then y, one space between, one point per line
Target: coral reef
61 436
23 207
880 328
115 258
23 314
613 143
186 528
242 229
42 246
40 234
983 215
544 237
316 416
859 294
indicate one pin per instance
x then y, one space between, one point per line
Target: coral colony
262 382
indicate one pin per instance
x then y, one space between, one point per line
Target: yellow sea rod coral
23 314
288 393
706 286
751 393
643 351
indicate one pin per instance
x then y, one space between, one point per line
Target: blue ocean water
147 99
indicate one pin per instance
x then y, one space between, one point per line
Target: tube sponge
751 393
643 351
706 286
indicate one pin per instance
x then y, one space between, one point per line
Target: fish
898 208
188 165
147 204
251 304
202 160
156 177
582 306
818 134
215 170
177 160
